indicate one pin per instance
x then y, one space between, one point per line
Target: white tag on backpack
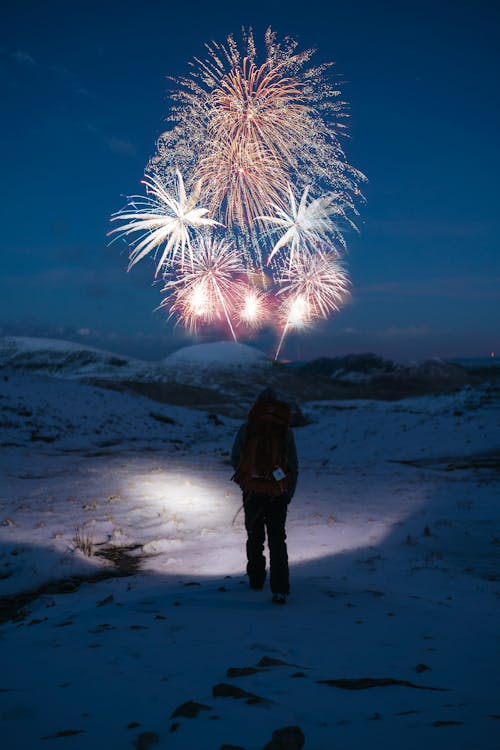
279 474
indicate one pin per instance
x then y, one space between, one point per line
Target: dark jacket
291 456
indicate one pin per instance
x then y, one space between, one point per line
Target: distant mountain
205 375
66 359
366 364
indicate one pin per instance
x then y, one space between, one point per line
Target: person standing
264 457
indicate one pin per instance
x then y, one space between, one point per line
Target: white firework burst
165 222
306 225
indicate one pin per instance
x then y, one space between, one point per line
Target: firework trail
253 153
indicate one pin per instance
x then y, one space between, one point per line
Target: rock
364 683
162 418
241 671
269 661
422 668
190 710
63 733
144 740
298 418
223 690
215 420
288 738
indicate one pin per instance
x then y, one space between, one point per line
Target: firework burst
253 140
246 130
253 309
205 291
162 220
306 225
313 287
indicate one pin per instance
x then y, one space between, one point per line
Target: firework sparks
242 178
253 310
254 141
258 112
246 130
308 224
205 291
162 220
313 287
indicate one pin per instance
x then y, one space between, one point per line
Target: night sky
84 98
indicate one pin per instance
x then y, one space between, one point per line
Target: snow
393 549
68 360
219 355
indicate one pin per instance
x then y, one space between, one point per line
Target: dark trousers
265 513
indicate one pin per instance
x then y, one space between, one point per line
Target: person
266 495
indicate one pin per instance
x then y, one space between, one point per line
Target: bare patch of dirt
14 606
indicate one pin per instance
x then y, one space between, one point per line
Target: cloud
20 56
23 57
121 146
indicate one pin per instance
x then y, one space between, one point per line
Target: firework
313 287
306 225
246 130
253 310
205 291
254 140
242 178
162 220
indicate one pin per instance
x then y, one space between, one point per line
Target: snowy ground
394 544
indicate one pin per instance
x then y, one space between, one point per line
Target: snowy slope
65 359
222 355
213 365
394 549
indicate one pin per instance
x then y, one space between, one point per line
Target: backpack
263 460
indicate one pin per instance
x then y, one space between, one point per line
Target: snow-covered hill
211 364
221 355
237 371
127 620
65 359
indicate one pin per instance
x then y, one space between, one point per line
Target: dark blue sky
83 100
